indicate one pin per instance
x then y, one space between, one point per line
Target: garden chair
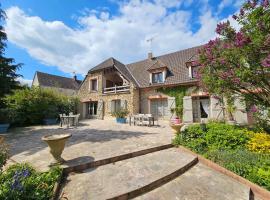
76 120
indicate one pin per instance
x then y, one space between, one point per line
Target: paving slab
200 183
124 176
92 140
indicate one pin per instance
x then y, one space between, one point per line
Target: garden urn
56 144
176 127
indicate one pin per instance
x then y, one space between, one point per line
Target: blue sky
65 36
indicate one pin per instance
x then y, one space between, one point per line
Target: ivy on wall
178 92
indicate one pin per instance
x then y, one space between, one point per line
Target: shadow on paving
28 140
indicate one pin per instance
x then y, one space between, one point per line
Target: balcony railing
116 89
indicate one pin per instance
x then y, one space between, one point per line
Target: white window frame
158 72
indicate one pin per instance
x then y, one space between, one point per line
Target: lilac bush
238 61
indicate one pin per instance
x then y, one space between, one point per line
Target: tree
8 69
238 62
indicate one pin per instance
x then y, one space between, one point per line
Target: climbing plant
178 92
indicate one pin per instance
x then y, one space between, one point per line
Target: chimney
150 55
74 76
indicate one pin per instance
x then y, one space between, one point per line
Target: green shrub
122 113
217 136
250 165
31 106
224 136
22 182
3 153
193 138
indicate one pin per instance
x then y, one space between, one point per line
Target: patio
92 140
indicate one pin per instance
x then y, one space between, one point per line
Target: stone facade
86 95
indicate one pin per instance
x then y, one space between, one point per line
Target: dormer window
192 71
158 77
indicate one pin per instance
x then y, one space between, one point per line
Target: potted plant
121 116
50 116
178 111
4 120
176 123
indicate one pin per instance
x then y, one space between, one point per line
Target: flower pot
176 121
121 120
56 144
4 128
49 121
176 127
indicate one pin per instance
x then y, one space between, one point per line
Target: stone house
64 85
112 85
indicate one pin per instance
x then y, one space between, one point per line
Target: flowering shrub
22 182
238 149
250 165
260 142
238 61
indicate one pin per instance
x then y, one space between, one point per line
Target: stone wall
85 95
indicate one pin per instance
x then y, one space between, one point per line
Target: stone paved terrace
93 140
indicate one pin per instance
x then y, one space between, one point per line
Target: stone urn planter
56 144
176 127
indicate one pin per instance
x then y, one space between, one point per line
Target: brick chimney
150 55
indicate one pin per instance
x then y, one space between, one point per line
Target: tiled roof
157 64
49 80
138 72
112 62
175 62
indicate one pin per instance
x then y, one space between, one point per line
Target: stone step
128 178
200 183
77 167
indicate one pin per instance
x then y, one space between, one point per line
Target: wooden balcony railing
116 89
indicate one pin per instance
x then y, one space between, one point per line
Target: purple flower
266 61
241 39
242 12
252 4
234 17
265 3
253 109
221 27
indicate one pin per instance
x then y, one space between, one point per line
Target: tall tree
238 62
8 70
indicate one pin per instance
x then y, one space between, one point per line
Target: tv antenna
150 40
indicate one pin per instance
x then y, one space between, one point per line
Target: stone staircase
161 173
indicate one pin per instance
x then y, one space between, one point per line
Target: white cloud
24 81
101 35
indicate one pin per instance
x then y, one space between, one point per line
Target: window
192 72
93 85
115 105
157 77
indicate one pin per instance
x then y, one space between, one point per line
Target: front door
92 109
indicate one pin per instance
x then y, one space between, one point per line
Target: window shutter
187 109
123 104
100 111
112 106
171 105
216 111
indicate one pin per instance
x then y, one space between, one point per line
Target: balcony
116 89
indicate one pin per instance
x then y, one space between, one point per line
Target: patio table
140 118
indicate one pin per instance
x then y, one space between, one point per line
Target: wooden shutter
171 105
100 110
123 104
187 109
216 111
